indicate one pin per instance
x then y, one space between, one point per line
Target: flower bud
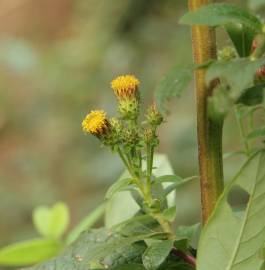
154 117
227 53
129 109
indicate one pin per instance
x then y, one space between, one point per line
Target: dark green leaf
156 254
29 252
242 38
100 247
253 95
86 223
231 241
172 85
222 14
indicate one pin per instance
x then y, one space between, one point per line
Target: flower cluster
125 133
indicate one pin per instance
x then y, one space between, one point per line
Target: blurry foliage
54 64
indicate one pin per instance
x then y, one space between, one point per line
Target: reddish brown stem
187 258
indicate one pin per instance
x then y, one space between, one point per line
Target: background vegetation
57 58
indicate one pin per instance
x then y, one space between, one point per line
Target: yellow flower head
96 123
125 86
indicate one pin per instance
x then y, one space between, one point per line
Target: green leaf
86 223
168 178
191 233
242 38
174 186
222 14
156 254
219 104
119 185
103 247
29 252
115 212
238 74
51 222
231 241
259 132
130 267
172 85
253 95
170 213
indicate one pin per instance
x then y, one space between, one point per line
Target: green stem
125 162
209 132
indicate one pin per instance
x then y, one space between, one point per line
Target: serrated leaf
238 74
172 85
51 222
119 185
234 242
86 223
222 14
156 254
29 252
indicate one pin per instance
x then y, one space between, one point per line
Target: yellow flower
125 86
96 123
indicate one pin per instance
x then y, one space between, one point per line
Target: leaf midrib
235 252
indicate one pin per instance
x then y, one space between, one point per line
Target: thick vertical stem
209 132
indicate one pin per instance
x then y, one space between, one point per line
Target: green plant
233 234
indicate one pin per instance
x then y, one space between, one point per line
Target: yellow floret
125 86
95 123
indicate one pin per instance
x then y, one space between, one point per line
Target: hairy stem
209 132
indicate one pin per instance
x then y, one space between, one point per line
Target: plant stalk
209 133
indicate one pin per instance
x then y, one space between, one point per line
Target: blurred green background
57 58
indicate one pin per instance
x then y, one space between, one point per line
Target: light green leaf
222 14
51 222
259 132
29 252
230 241
172 85
191 233
238 74
156 254
119 185
86 223
219 104
184 181
168 178
170 213
130 267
